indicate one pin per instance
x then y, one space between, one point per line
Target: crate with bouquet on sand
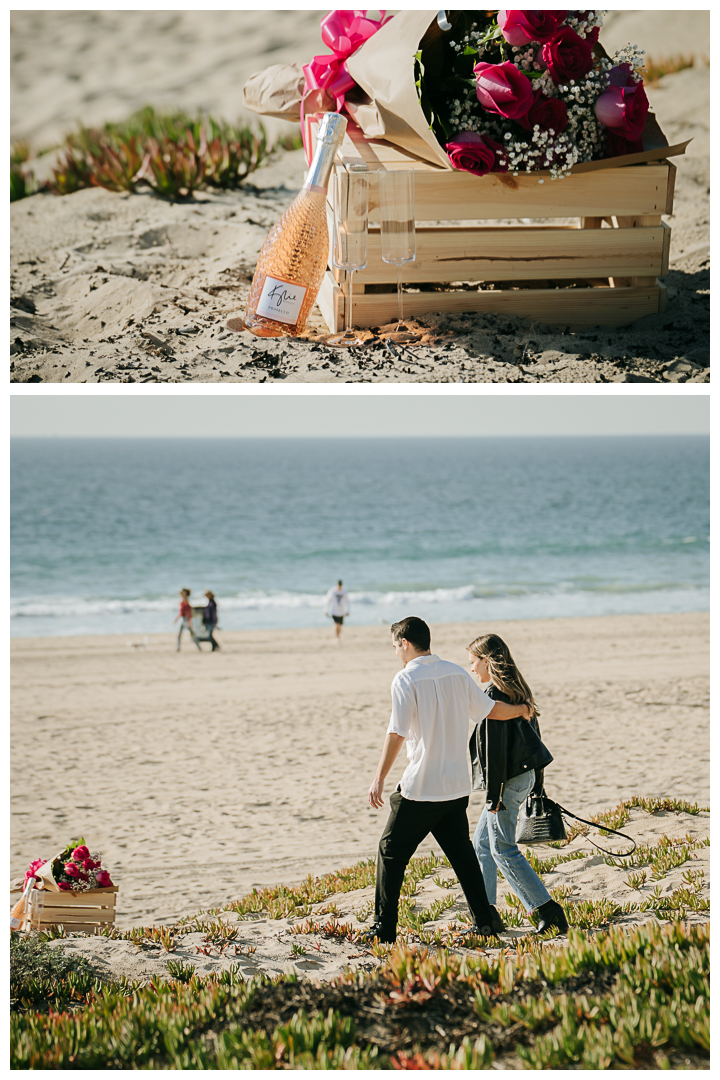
516 120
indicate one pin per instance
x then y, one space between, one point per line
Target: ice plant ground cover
512 91
637 999
608 996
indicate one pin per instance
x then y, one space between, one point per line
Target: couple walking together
432 702
209 618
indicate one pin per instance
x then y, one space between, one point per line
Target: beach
95 272
199 777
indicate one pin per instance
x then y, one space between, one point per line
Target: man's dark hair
413 630
340 584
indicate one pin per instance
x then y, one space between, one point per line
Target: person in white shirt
433 702
337 607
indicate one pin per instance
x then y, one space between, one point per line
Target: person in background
210 618
433 702
185 615
337 607
509 765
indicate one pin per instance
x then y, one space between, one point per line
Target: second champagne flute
397 229
350 241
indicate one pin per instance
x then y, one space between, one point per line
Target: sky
386 415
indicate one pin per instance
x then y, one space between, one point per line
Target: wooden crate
77 911
599 270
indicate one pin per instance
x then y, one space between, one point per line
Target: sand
201 776
94 273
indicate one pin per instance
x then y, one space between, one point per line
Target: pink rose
567 55
72 869
103 879
521 27
90 864
623 108
81 853
546 113
65 886
502 89
618 145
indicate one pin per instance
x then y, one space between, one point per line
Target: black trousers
408 825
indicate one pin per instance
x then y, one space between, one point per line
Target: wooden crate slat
89 905
440 196
68 916
331 302
497 254
563 307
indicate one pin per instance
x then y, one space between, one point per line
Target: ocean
105 531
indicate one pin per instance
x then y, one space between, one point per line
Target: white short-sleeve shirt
433 702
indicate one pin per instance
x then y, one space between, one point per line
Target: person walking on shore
511 763
185 615
210 618
433 702
337 607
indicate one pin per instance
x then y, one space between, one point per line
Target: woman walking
210 618
511 768
185 615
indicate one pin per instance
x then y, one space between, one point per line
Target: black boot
497 924
551 917
377 930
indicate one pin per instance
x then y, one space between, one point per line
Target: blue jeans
494 843
185 624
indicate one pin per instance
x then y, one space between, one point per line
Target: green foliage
604 1001
173 153
42 977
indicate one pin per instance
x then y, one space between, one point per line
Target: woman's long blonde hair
503 670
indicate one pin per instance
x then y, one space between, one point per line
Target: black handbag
541 822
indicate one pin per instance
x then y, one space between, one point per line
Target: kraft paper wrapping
387 106
277 91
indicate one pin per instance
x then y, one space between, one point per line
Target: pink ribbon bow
327 79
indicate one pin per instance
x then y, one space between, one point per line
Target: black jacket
502 749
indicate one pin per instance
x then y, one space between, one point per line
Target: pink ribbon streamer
327 79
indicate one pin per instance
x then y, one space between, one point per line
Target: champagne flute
350 241
397 230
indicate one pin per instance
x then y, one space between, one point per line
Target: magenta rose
72 869
469 153
90 864
624 109
65 886
477 154
81 853
568 56
502 89
103 879
546 113
521 27
618 145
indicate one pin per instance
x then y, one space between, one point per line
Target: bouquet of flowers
75 868
480 91
530 90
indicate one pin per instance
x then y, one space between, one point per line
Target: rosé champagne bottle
294 257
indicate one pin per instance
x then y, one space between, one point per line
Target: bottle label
281 300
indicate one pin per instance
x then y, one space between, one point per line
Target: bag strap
594 825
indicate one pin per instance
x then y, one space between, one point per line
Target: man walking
432 704
337 607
